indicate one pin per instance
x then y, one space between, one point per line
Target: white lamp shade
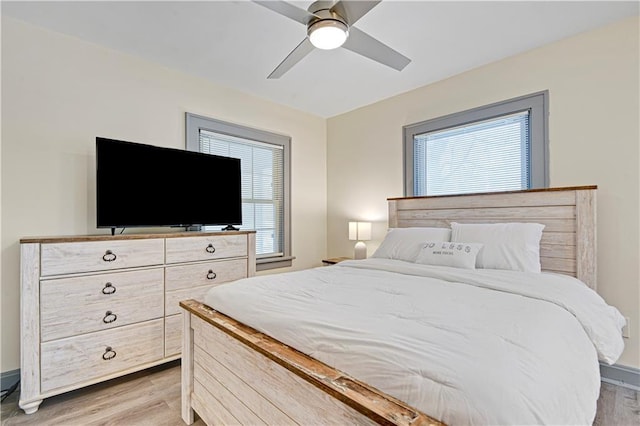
359 231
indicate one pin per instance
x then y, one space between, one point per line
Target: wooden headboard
568 244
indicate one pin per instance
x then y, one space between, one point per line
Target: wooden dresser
98 307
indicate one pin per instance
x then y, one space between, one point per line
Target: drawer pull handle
211 275
108 289
109 256
109 317
210 249
108 354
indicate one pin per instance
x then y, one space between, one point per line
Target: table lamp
360 231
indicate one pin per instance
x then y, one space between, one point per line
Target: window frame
536 103
194 123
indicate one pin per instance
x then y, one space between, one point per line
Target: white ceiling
238 43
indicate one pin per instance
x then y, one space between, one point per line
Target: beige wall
593 83
59 93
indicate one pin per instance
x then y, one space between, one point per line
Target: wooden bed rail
375 405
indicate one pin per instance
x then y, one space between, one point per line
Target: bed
409 337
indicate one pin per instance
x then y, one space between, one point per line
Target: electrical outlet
626 329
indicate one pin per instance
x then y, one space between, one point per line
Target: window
264 163
499 147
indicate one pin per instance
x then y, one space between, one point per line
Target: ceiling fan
329 26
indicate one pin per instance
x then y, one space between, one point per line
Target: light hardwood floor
152 398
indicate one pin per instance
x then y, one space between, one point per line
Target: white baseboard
620 375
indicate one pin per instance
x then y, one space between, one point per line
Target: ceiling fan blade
293 58
353 10
287 9
365 45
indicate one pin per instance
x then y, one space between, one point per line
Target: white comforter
466 347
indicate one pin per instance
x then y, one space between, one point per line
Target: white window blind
262 168
485 156
503 146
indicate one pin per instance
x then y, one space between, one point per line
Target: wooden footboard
233 374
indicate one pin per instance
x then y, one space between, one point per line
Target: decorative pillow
513 246
457 255
405 243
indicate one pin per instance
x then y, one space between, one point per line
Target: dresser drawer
84 358
91 256
71 306
194 275
173 335
173 298
190 249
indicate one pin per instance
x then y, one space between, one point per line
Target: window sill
274 263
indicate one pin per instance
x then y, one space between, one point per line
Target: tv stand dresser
98 307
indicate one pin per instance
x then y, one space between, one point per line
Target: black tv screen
143 185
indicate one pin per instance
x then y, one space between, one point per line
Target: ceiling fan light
328 34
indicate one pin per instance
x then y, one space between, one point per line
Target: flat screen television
140 185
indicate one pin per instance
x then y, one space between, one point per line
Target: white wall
59 93
593 83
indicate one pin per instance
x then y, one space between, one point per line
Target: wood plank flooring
152 398
617 406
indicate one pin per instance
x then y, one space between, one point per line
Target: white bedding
466 347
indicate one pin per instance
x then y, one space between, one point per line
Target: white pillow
405 243
457 255
513 246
